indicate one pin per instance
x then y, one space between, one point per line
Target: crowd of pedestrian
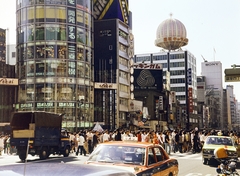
178 140
172 141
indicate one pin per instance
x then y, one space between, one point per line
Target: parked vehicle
38 133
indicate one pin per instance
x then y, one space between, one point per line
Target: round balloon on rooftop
171 34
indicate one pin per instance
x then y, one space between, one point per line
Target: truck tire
43 154
66 152
22 155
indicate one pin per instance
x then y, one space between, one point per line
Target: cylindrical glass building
55 58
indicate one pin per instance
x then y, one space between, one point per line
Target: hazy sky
209 23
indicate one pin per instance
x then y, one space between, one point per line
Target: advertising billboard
148 77
110 9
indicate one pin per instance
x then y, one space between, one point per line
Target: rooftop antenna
204 59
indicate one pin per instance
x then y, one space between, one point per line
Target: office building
182 81
214 92
55 59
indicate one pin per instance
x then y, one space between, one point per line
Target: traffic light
160 103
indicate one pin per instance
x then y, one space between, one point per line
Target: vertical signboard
71 20
2 45
190 100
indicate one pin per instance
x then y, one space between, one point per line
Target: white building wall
214 81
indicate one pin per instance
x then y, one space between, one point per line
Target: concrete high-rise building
183 80
55 58
113 49
214 92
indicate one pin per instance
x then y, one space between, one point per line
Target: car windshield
219 141
118 154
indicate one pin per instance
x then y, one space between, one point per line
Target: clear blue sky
209 23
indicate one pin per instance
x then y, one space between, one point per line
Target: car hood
49 169
211 146
130 168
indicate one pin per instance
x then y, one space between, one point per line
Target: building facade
214 92
55 59
182 81
231 108
8 84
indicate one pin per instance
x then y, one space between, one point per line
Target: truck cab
38 133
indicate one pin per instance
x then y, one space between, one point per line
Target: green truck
38 133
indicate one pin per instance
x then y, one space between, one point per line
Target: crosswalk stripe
198 174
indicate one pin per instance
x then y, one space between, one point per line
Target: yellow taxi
213 142
141 158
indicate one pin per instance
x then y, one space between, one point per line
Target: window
50 14
39 33
158 153
61 52
39 14
30 14
81 35
13 54
61 15
80 18
151 158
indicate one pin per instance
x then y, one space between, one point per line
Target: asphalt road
189 164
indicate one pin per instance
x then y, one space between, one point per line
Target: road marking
198 174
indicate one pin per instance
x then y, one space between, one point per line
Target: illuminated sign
100 8
45 105
26 105
147 66
105 86
190 99
8 81
232 78
124 10
211 64
148 79
71 19
66 104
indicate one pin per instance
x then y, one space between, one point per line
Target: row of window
53 92
86 5
159 57
54 50
49 68
53 14
51 32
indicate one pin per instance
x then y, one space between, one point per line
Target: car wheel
204 161
43 154
66 152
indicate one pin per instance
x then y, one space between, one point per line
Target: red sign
190 100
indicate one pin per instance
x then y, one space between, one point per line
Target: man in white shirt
81 141
106 136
